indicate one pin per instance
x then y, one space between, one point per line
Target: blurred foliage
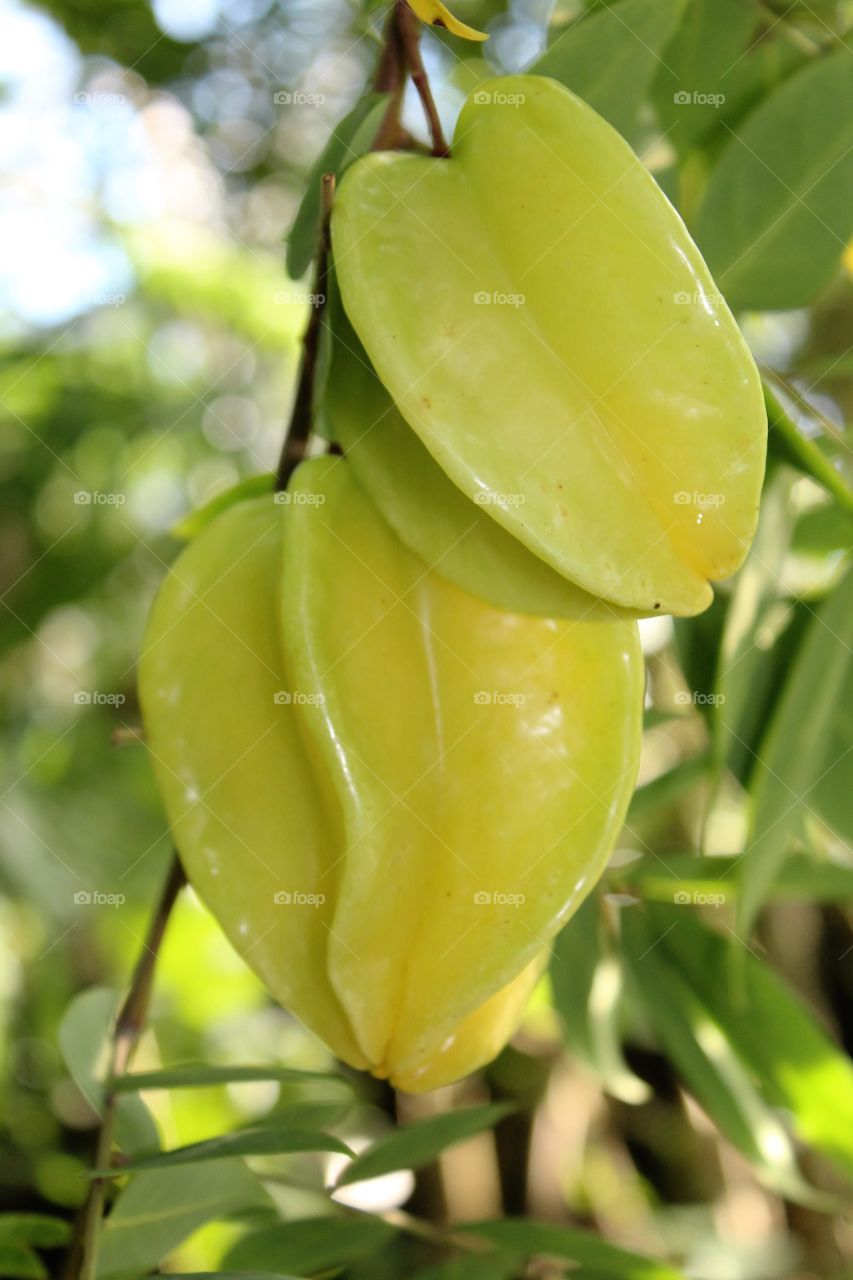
679 1086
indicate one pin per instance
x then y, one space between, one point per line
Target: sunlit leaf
586 980
158 1210
698 1045
801 746
83 1034
191 1075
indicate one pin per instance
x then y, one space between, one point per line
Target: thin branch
302 415
409 32
83 1257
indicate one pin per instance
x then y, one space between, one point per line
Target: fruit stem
407 25
129 1025
302 414
401 57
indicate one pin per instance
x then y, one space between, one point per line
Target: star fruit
547 327
390 792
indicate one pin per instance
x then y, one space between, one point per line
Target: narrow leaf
349 139
192 1075
789 442
83 1034
610 56
798 1066
309 1245
776 214
528 1239
16 1260
698 1045
33 1228
158 1210
269 1141
586 980
420 1143
801 747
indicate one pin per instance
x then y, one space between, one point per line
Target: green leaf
269 1140
350 138
83 1040
695 1035
526 1238
776 214
192 524
158 1210
586 979
609 57
805 743
799 1068
232 1275
787 441
420 1143
650 799
18 1261
191 1075
310 1244
706 49
34 1228
749 680
662 878
471 1267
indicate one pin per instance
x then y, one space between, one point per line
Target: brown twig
401 58
409 32
302 415
83 1253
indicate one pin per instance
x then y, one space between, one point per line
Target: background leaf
805 747
776 214
156 1211
310 1245
609 57
418 1144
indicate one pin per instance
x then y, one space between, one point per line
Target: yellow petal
435 14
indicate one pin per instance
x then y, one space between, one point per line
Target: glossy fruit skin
450 533
545 324
384 786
